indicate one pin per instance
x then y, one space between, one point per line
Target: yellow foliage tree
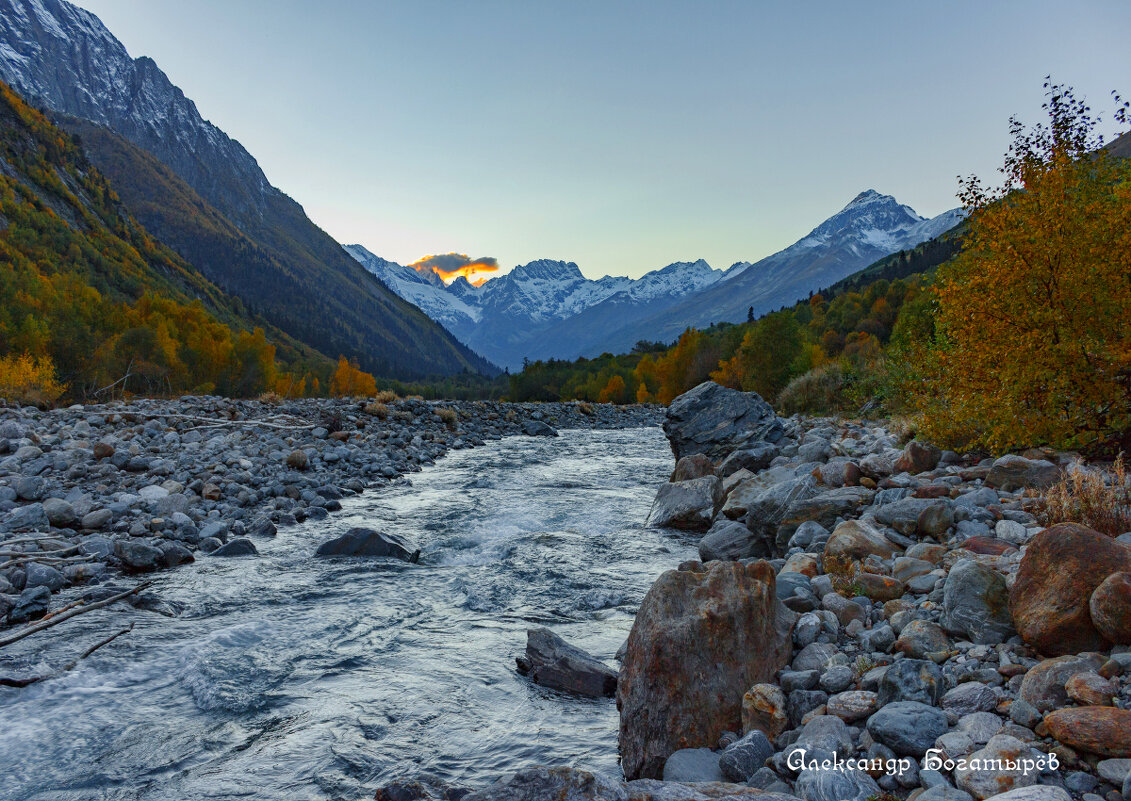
1032 340
614 392
349 380
29 380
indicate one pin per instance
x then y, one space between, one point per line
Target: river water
290 677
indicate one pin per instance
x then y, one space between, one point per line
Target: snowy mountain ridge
549 309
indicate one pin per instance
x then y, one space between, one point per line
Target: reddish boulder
1110 608
1102 730
697 465
917 457
1062 567
704 635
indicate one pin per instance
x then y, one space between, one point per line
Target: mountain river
291 677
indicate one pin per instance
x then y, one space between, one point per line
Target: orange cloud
450 266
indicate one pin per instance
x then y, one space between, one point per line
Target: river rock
852 705
857 539
752 459
1090 689
693 765
1035 792
689 505
764 710
716 421
694 466
1016 472
908 728
984 783
31 604
561 784
98 519
976 604
729 539
1062 566
240 546
920 638
38 575
60 513
740 760
1102 730
298 459
371 543
1043 685
702 637
824 508
552 662
30 517
537 428
971 696
138 556
1110 608
911 680
917 457
836 785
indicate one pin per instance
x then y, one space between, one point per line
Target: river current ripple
290 677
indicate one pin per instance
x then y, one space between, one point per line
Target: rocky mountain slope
266 250
548 309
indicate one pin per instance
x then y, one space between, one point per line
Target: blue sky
620 135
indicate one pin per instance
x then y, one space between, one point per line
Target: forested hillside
85 287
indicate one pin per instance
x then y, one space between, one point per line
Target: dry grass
586 409
842 572
273 398
377 409
1097 499
385 396
448 416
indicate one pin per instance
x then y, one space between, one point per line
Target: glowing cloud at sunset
450 266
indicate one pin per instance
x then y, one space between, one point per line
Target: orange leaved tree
1032 342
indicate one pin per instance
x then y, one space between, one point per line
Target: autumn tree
1031 342
349 380
614 391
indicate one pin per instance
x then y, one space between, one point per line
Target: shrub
842 570
819 391
586 409
385 396
29 381
448 416
377 409
1094 498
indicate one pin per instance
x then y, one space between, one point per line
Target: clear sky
620 135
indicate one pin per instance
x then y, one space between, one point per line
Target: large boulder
714 420
1062 567
702 638
369 542
688 505
907 727
1016 472
552 662
976 604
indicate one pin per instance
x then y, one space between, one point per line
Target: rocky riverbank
869 620
88 493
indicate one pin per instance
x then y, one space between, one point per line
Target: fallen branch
211 422
24 682
23 540
59 618
48 560
22 554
